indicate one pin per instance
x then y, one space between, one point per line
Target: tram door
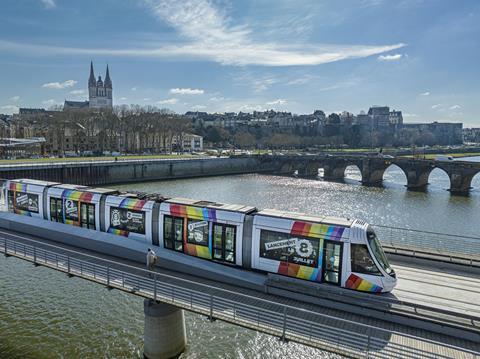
56 209
224 242
332 262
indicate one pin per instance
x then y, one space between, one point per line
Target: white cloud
409 115
249 107
134 89
199 107
49 102
217 99
122 98
455 107
279 101
146 99
169 101
186 91
14 98
77 92
49 4
207 33
426 93
437 106
60 85
395 57
9 109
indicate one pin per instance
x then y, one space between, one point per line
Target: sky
418 56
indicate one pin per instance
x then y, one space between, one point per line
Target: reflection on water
45 315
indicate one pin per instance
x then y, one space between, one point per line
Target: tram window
284 247
197 232
362 261
173 233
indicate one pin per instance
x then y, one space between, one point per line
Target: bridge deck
443 289
344 333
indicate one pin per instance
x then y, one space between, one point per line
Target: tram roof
214 205
34 182
81 188
345 222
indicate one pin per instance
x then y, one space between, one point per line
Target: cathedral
99 93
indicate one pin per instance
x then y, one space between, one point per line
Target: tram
336 251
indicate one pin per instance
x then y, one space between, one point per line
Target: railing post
211 308
155 287
283 338
108 276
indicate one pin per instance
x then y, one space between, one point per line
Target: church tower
100 93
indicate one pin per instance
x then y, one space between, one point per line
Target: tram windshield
378 252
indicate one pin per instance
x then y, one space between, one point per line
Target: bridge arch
395 175
353 172
475 183
439 178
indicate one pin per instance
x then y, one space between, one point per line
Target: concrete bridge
438 321
372 169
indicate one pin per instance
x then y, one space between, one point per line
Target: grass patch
99 158
432 156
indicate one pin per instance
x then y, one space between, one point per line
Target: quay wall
111 172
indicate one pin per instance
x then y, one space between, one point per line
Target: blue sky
419 56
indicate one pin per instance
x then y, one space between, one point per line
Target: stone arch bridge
372 169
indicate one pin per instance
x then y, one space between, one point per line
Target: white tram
335 251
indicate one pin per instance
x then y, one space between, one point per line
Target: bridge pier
308 170
334 172
164 334
373 171
460 182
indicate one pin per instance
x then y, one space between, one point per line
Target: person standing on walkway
151 259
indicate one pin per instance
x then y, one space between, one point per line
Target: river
43 314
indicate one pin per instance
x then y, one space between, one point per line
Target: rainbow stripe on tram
315 230
118 232
18 187
198 251
206 214
357 283
299 271
132 203
85 197
22 212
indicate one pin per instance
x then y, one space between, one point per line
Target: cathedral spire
91 79
108 81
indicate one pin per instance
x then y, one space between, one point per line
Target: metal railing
287 322
451 247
